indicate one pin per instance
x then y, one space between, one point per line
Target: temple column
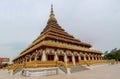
73 59
25 59
99 58
96 58
20 61
65 58
79 57
89 57
84 57
44 56
92 57
17 61
30 59
35 57
56 57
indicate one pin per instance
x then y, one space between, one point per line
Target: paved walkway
98 72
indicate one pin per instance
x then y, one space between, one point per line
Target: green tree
6 64
113 54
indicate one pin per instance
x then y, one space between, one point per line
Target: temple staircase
18 70
78 68
62 69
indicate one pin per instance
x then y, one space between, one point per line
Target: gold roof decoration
52 16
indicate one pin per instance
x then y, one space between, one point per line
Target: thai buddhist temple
55 45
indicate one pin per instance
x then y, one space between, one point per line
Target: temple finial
51 6
52 13
52 16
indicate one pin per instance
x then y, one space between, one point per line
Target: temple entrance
39 58
50 57
94 58
87 58
97 58
27 60
61 58
32 59
69 58
91 58
82 58
76 59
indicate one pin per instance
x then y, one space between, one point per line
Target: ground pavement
98 72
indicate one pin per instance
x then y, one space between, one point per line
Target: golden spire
52 16
52 13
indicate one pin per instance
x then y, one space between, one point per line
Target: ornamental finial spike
51 5
52 16
52 13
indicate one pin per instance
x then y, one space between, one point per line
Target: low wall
40 71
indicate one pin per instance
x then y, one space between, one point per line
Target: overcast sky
93 21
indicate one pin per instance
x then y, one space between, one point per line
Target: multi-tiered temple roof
55 36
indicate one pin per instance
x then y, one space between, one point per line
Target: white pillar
44 56
25 59
30 59
96 57
79 57
92 57
65 58
99 57
55 57
73 59
89 57
84 57
35 57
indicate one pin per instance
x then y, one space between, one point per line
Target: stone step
78 68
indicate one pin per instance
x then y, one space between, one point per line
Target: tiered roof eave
58 45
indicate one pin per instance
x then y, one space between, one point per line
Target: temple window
97 58
82 58
69 58
50 57
27 60
87 58
39 58
32 59
94 58
61 58
91 58
76 59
